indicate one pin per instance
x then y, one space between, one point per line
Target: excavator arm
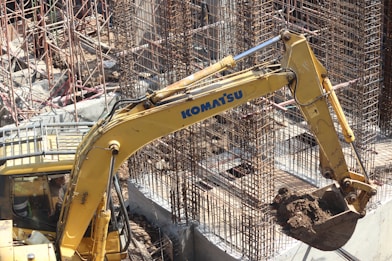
312 101
347 198
114 139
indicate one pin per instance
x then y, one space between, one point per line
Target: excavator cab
35 174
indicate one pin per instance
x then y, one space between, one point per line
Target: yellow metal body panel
84 249
6 250
41 252
9 252
5 233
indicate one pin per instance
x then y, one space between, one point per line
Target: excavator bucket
322 219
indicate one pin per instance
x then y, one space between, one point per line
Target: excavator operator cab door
36 200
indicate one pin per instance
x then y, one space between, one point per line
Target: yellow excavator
86 225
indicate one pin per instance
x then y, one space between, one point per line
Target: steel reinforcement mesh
53 54
386 87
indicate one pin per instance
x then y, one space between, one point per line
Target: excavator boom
130 130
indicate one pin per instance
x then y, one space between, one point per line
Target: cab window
38 195
31 197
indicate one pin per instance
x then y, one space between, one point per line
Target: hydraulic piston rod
227 62
257 48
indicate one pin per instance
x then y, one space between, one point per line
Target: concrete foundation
182 237
189 242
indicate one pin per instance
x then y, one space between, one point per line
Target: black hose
134 102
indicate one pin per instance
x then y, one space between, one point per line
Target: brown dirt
297 211
305 217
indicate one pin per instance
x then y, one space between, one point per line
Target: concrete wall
190 244
205 249
182 237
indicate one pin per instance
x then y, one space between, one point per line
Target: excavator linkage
322 219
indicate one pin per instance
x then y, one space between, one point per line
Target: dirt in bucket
299 213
